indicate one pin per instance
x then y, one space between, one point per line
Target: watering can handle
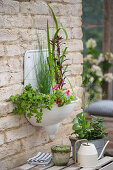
103 150
75 147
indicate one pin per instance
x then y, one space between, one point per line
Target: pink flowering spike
55 87
67 92
58 101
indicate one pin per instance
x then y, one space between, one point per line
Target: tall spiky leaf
54 17
63 55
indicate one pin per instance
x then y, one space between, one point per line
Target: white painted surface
31 60
87 155
52 118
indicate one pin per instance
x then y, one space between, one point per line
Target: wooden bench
105 163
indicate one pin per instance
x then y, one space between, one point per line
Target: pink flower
67 92
55 87
58 101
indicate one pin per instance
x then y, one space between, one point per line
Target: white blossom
109 56
101 58
95 68
91 43
91 79
95 61
88 57
99 74
108 77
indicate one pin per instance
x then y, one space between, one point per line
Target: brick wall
19 24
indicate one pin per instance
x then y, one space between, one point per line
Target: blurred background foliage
92 19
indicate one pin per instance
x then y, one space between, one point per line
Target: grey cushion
101 108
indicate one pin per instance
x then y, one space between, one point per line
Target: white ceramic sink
52 118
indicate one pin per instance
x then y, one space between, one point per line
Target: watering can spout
103 150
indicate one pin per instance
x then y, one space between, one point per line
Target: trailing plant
42 72
32 102
90 130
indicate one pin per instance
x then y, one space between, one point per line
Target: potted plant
60 154
48 104
93 131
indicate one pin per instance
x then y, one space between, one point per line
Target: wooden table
105 163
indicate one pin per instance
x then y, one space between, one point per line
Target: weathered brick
39 8
5 108
21 132
74 80
78 58
40 21
79 91
75 57
15 64
70 21
13 50
18 159
59 9
6 92
75 69
75 45
28 34
16 78
6 122
3 65
34 8
1 21
73 1
9 7
9 149
1 138
2 50
4 78
78 105
78 80
77 33
8 35
74 10
40 137
18 21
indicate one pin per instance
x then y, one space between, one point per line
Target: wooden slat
72 167
101 163
61 167
24 167
104 161
43 167
108 167
87 168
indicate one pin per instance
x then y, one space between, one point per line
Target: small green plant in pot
93 131
60 154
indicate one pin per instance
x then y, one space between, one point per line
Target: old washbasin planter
51 118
